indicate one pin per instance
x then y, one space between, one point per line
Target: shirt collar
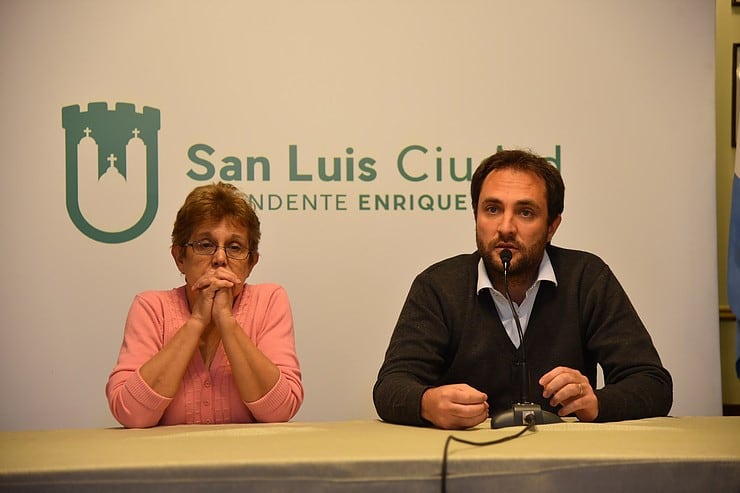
545 273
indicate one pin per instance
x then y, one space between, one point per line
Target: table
659 454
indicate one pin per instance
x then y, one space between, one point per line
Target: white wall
625 91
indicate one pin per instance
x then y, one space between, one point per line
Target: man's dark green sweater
447 333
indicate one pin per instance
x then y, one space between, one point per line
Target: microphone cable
506 260
529 426
524 372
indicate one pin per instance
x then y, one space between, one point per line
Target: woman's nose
219 257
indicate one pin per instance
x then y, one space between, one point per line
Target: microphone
523 412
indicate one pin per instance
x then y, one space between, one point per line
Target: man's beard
523 268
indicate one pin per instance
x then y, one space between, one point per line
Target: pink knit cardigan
205 395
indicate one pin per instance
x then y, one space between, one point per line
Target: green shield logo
111 170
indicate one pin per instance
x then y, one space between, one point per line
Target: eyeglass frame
198 244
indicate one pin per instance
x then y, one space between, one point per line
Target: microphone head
505 257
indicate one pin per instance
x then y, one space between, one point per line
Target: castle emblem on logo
111 170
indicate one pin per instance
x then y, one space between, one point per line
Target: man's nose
507 225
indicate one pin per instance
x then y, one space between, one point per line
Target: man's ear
552 227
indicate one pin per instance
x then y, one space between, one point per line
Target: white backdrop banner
355 127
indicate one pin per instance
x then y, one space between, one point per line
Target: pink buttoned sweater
205 395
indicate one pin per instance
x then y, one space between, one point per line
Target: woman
216 350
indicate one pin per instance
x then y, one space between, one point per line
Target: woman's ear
178 255
253 258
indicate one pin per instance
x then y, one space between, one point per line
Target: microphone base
522 414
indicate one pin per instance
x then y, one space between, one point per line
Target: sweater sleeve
415 358
276 339
132 401
636 385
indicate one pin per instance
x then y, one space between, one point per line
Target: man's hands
569 388
455 406
460 406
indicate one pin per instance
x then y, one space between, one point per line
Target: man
451 359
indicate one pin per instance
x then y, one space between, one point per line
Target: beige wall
630 117
728 32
